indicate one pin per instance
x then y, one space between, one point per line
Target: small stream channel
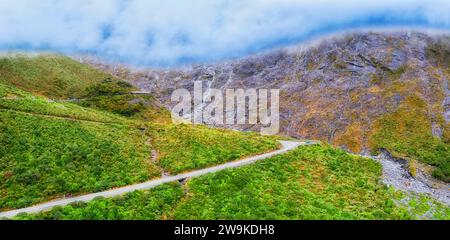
396 175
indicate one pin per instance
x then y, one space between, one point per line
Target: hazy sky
173 32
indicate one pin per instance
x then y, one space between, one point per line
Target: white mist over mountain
173 32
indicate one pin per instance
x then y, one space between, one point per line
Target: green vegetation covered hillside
53 76
52 147
315 182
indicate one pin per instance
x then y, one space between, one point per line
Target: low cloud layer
175 32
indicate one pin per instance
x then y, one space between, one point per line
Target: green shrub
109 87
115 96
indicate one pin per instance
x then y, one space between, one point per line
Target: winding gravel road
286 146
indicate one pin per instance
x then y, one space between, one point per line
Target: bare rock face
332 91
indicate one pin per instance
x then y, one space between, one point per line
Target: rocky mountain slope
361 92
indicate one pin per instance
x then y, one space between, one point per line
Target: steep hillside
108 138
51 149
60 78
361 92
53 76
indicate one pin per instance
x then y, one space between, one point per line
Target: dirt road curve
286 146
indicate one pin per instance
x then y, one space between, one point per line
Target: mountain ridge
360 91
